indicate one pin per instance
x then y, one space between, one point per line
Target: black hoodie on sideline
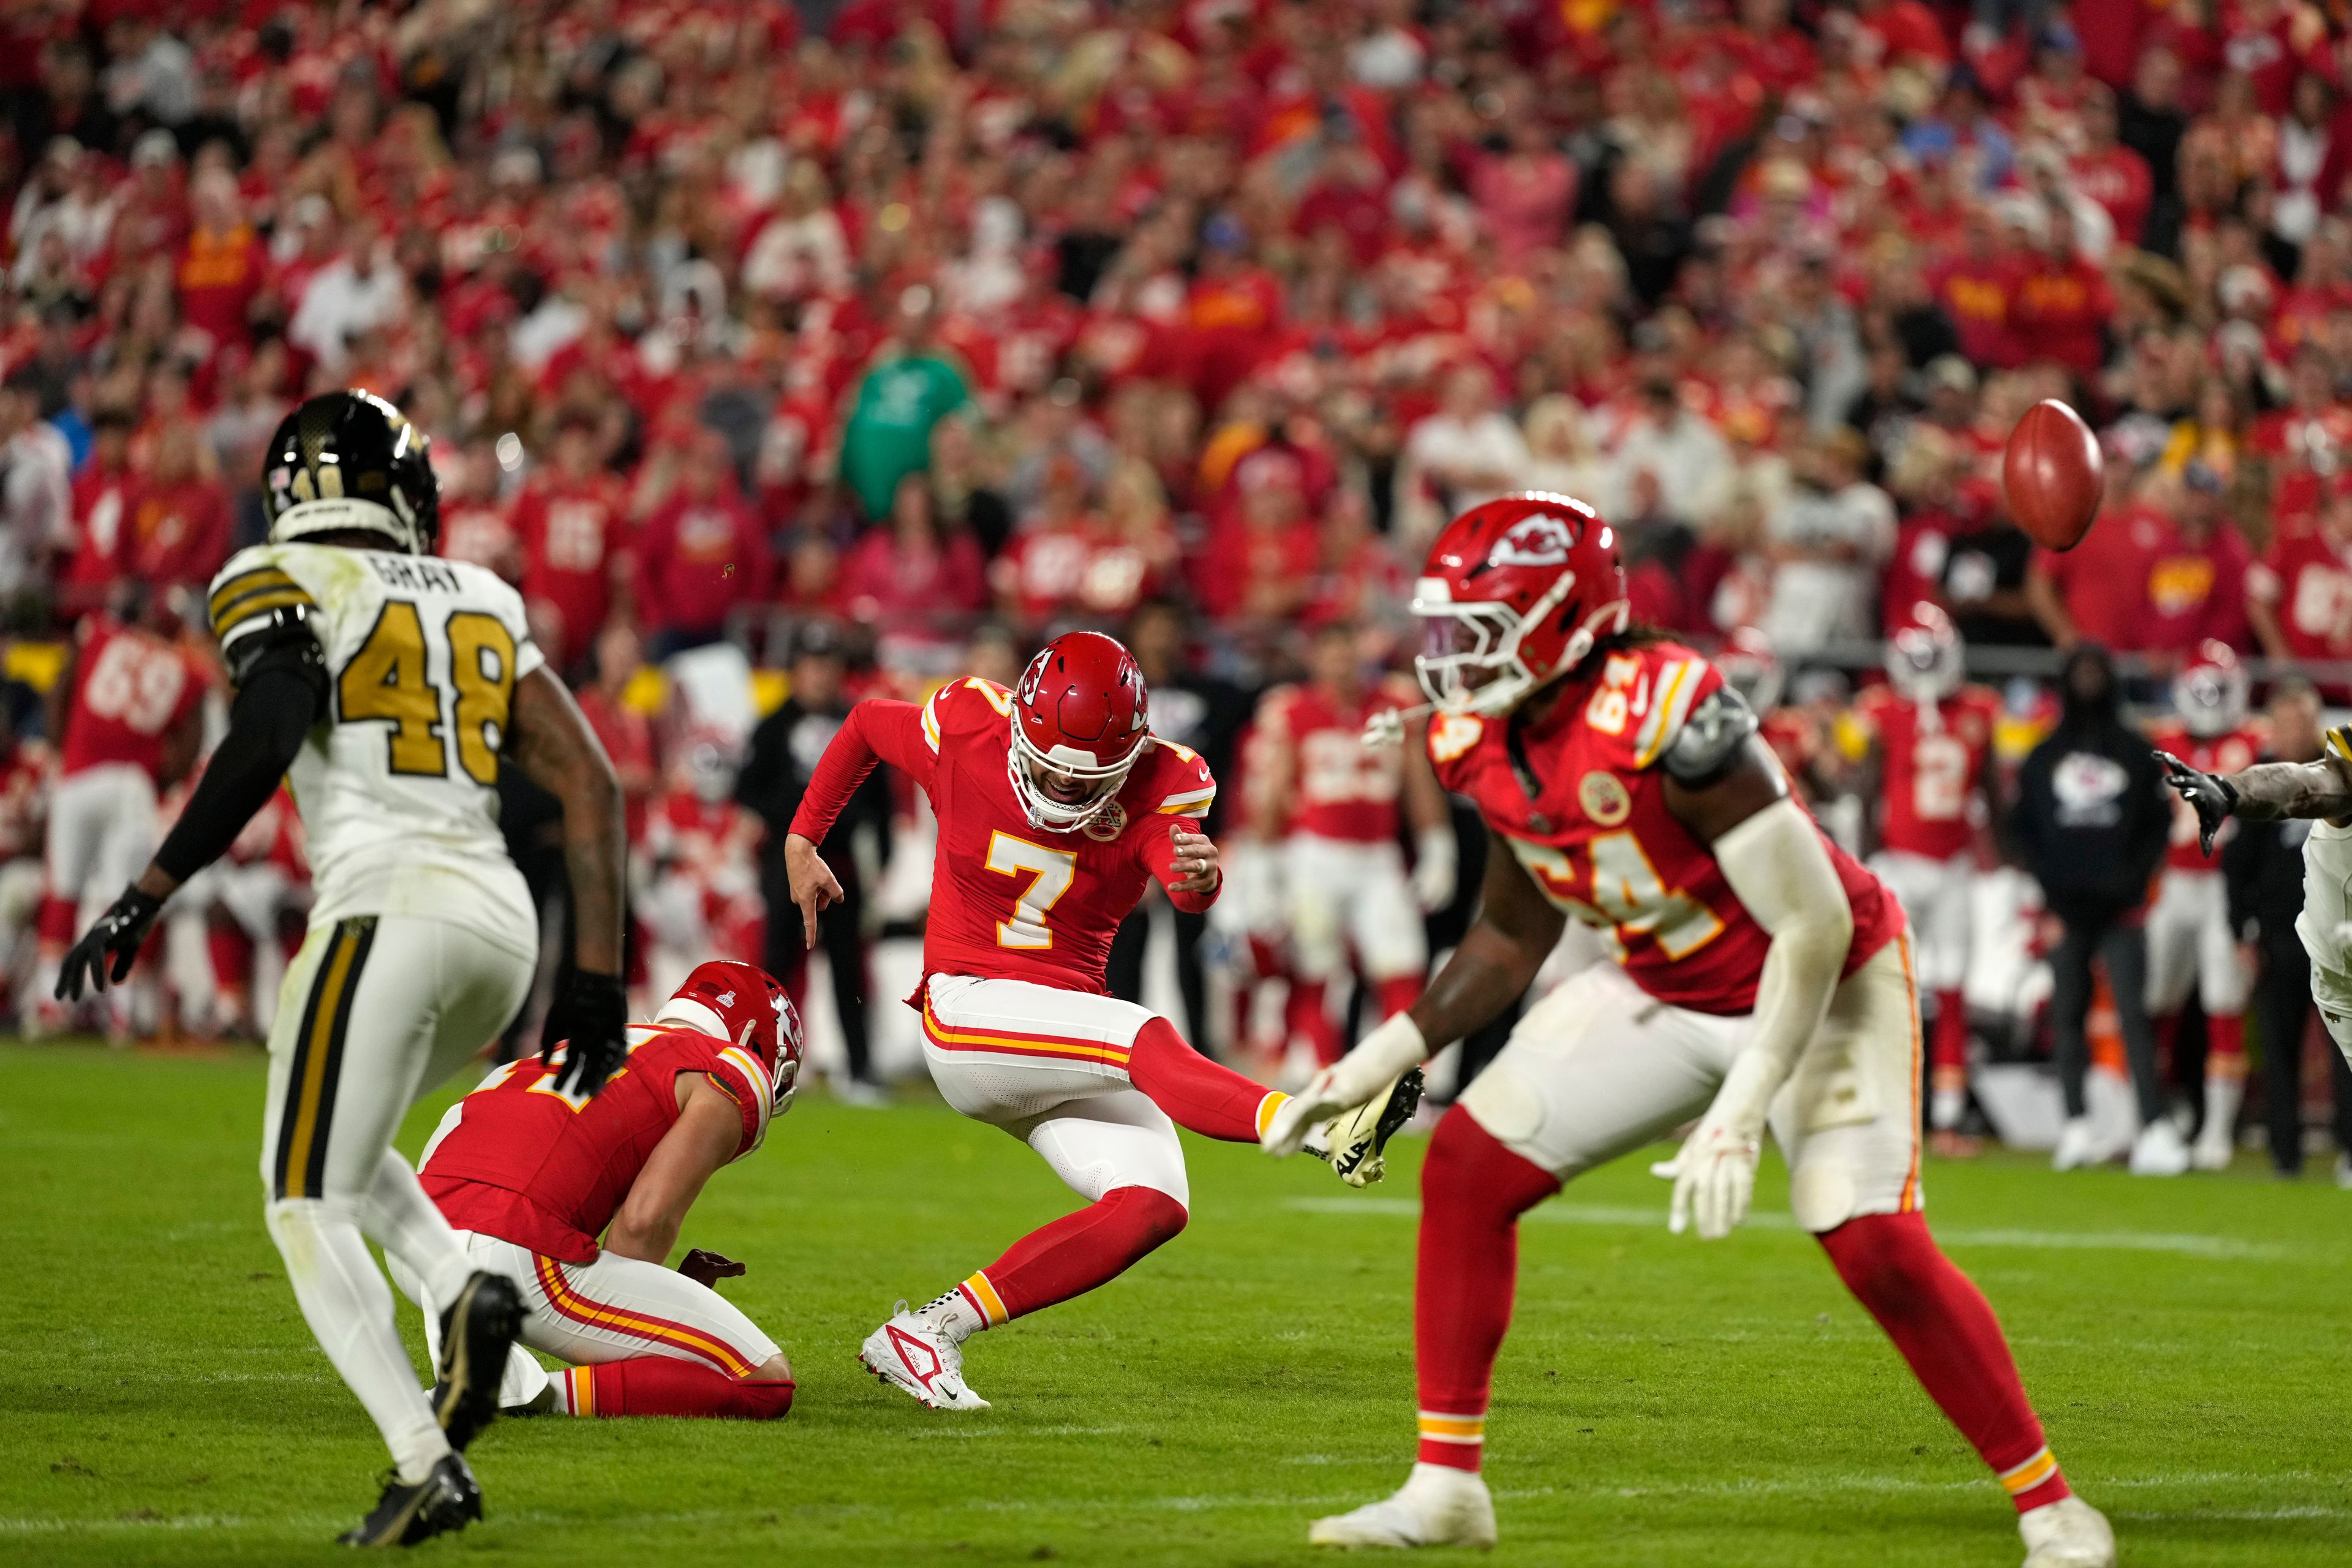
2093 814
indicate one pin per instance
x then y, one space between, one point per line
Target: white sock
348 1305
1947 1109
953 1315
406 1224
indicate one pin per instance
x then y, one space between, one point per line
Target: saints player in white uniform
389 685
2269 792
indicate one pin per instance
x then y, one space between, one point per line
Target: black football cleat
446 1500
476 1331
1354 1142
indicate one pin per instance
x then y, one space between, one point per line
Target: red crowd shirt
219 276
2103 581
102 503
1977 295
2197 591
1599 840
1933 761
2308 582
2058 311
177 533
568 533
525 1162
131 690
2229 753
697 560
1340 787
1012 900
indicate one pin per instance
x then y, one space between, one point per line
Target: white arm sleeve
1777 864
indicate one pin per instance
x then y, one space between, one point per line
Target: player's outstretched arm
2267 792
1731 794
1516 930
549 740
281 681
706 1135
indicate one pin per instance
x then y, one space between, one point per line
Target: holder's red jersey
1339 787
521 1160
1011 901
1598 838
2229 753
131 690
1933 758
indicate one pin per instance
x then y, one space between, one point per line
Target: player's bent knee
1158 1219
761 1397
1881 1256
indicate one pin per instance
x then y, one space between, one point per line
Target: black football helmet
350 460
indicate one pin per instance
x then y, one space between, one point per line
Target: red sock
2168 1029
1950 1045
55 923
656 1385
1941 1323
1076 1253
1473 1191
1308 1016
1197 1094
232 956
2225 1045
1396 994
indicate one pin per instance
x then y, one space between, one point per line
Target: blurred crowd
785 352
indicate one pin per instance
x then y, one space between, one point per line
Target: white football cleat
908 1353
2159 1150
2068 1534
2212 1154
2076 1144
1437 1506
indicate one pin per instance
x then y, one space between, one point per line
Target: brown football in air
2053 474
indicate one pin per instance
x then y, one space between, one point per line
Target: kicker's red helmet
1924 658
1516 593
1080 718
2209 692
744 1006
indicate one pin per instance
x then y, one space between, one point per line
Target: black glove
119 932
2214 798
707 1269
591 1017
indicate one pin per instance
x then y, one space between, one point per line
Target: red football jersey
527 1163
2229 753
569 535
1340 787
2308 582
1932 760
1598 839
1011 901
132 689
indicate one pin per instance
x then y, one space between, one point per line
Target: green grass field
1659 1400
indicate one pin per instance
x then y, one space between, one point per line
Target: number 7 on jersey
1053 871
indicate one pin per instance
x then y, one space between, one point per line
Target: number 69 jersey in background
1591 825
397 788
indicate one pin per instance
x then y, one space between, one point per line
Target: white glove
1385 1055
1715 1172
1433 868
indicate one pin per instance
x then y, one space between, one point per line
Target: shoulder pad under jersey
1711 738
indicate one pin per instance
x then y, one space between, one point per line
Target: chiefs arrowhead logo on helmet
1515 594
1538 541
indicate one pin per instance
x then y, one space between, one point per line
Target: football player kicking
1764 979
530 1176
390 686
1055 802
2273 792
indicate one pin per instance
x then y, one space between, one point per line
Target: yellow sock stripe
596 1314
2024 1478
580 1390
1440 1427
1275 1100
991 1305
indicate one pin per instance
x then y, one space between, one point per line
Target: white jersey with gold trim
397 784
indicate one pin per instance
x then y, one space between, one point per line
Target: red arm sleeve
878 730
1157 852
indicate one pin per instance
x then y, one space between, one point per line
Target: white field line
1094 1506
1767 1219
